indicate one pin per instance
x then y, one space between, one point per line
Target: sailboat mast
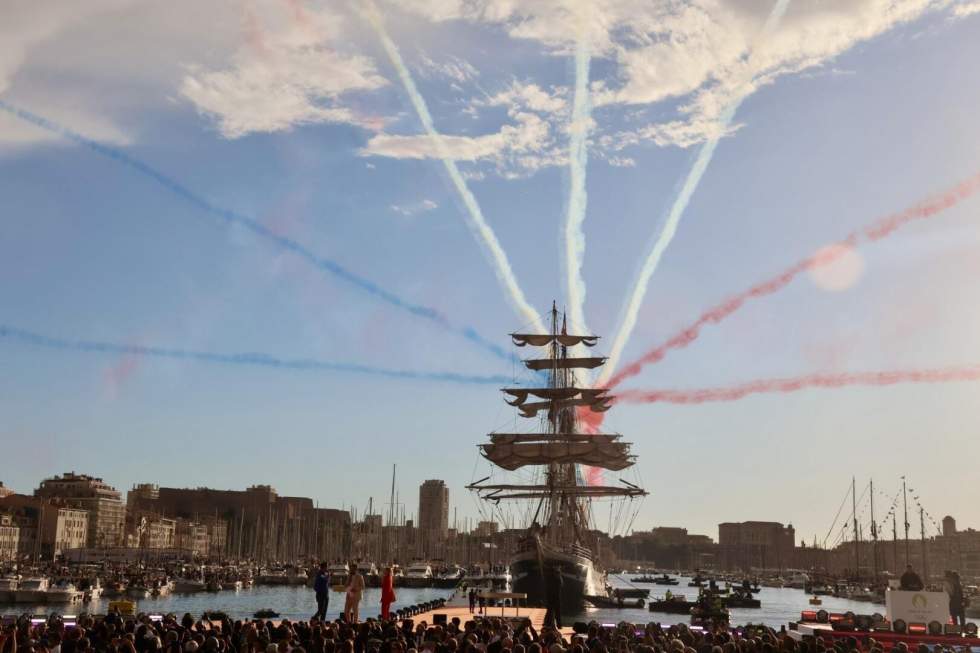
874 530
905 505
857 538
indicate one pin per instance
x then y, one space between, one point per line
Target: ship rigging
557 553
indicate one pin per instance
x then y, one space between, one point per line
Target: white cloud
697 54
520 147
286 74
409 210
621 162
966 8
530 96
453 68
707 55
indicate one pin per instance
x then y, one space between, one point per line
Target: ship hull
580 577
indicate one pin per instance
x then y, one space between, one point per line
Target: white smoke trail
632 308
482 230
574 236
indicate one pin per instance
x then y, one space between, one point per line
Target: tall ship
557 555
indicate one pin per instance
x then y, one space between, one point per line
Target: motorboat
62 592
32 590
798 581
188 585
676 604
115 589
8 587
138 592
614 602
418 574
629 592
91 589
741 599
449 578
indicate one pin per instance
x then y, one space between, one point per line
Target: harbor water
779 605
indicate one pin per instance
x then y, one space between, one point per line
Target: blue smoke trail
232 217
246 358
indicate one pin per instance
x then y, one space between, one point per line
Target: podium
917 607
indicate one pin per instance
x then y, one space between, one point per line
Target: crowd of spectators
170 634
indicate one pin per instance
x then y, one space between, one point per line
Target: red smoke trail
872 233
736 392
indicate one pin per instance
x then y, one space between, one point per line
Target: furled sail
614 456
539 340
506 491
510 438
598 404
520 395
539 364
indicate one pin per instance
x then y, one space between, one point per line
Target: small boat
138 592
665 580
815 600
267 613
231 585
188 585
62 592
741 600
630 592
673 605
418 574
32 590
449 578
614 602
8 588
91 589
114 589
704 616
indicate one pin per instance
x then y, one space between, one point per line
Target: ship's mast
560 448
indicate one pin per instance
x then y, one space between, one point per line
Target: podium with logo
917 607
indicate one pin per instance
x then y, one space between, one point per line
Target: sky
284 241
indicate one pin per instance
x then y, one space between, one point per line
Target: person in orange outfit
387 593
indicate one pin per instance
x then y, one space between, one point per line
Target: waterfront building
106 511
192 538
5 491
9 537
433 516
47 528
486 529
62 528
756 544
665 546
251 523
141 492
147 530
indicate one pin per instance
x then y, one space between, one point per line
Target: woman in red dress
387 593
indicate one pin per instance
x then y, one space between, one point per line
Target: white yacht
32 590
91 589
8 587
798 581
418 574
62 592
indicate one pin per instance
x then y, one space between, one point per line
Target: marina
779 606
